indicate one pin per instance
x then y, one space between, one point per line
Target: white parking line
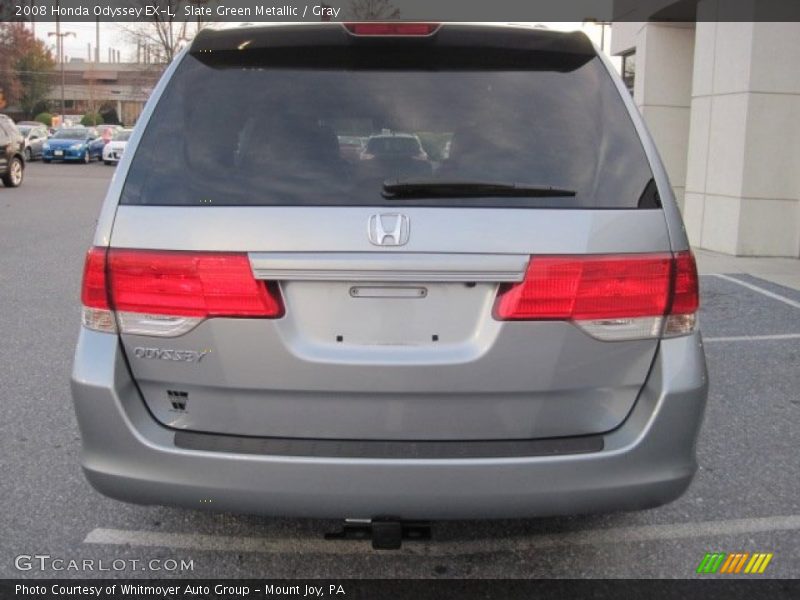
590 537
753 338
760 290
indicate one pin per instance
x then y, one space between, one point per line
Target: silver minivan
498 322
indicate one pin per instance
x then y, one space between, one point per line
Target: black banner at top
262 11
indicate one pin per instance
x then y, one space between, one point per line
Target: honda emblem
389 229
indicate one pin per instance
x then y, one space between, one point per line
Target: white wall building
722 100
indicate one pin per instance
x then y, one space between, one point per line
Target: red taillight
589 287
611 297
686 293
188 284
397 28
94 292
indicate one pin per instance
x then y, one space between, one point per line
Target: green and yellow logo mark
735 563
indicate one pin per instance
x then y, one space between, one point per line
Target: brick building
123 87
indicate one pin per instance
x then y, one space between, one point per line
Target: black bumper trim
397 449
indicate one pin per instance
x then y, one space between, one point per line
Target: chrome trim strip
375 266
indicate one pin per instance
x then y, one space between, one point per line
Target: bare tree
162 37
373 10
159 39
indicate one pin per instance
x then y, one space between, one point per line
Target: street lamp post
602 25
60 45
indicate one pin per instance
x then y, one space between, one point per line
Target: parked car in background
74 144
396 155
34 138
96 146
351 147
112 152
12 153
107 132
390 145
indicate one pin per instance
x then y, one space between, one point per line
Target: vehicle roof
335 34
76 130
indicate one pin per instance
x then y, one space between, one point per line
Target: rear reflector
611 297
397 28
682 318
167 293
685 295
93 290
96 313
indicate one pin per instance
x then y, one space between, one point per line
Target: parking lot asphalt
745 498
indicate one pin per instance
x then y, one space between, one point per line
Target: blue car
74 143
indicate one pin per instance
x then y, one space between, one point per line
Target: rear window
70 134
257 134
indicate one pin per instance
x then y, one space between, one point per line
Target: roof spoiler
451 45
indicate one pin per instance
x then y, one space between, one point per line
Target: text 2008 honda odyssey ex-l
488 311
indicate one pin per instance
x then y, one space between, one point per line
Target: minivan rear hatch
269 283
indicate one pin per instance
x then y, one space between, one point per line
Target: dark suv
12 161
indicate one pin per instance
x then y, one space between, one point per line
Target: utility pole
33 21
602 25
97 41
60 45
199 3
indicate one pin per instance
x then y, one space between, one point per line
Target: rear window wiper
425 188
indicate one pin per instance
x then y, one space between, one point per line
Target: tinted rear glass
71 134
256 134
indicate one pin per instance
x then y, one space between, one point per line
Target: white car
113 150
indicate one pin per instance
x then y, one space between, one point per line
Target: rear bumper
647 461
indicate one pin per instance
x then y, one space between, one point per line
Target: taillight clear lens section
166 293
682 318
94 292
685 297
395 28
611 297
96 313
